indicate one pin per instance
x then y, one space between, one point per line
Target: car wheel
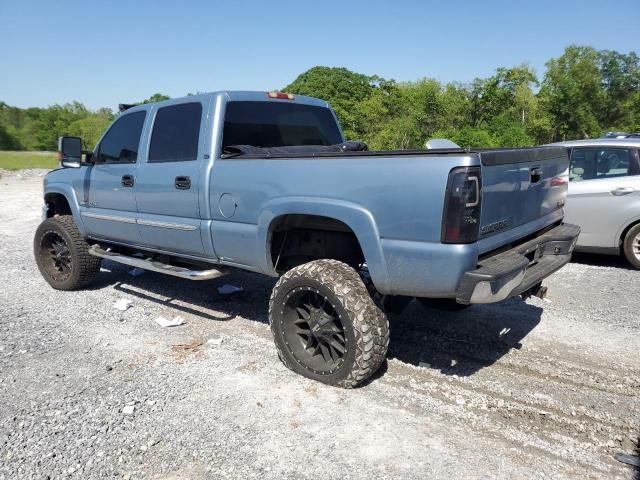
325 324
62 254
631 246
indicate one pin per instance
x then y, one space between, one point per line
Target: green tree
340 87
620 77
156 97
574 93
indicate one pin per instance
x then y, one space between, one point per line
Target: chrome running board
155 266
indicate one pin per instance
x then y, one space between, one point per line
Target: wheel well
57 204
298 239
625 231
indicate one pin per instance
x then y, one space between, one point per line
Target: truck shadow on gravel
597 260
461 343
195 298
456 343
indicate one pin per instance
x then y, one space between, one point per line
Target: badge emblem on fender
495 227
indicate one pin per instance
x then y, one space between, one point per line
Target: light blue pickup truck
265 182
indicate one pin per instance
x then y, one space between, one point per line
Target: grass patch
20 160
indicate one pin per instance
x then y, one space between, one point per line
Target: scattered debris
123 304
215 341
163 322
181 351
228 289
627 459
128 410
135 272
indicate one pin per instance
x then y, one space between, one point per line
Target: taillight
461 217
558 181
280 95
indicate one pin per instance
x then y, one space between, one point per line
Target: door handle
535 174
623 191
127 181
183 183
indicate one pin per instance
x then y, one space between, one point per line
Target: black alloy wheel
313 330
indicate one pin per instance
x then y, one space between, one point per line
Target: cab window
176 132
596 163
121 142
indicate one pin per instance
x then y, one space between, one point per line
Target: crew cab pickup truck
265 182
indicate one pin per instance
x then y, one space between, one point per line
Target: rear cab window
278 124
176 133
599 163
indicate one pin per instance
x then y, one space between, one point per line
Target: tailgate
520 187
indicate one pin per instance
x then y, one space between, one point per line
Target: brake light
558 181
280 95
461 216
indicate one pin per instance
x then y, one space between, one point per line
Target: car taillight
461 216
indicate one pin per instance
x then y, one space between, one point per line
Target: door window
596 163
120 143
176 132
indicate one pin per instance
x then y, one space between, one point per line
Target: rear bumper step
155 266
520 269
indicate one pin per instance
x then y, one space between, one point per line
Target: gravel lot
537 389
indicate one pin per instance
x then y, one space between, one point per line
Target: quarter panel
396 197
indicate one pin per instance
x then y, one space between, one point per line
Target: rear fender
354 216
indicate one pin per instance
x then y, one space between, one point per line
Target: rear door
168 185
523 191
604 193
108 203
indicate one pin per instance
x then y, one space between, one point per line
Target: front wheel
62 254
631 246
326 326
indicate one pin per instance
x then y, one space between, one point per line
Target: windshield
278 124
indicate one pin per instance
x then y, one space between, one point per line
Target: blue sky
107 52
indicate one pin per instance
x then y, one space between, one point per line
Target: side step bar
155 266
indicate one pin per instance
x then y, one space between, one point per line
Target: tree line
584 93
39 128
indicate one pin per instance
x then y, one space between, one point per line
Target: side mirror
70 151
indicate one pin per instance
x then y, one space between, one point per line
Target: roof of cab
233 96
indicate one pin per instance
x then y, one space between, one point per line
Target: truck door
108 203
168 186
602 189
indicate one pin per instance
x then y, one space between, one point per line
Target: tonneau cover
350 146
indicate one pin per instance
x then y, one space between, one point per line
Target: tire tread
371 327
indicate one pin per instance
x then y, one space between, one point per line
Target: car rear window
278 124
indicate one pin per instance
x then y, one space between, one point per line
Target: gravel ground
536 389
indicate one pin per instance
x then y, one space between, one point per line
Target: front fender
354 216
69 193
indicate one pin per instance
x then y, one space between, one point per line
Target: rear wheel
325 324
446 304
631 246
62 254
